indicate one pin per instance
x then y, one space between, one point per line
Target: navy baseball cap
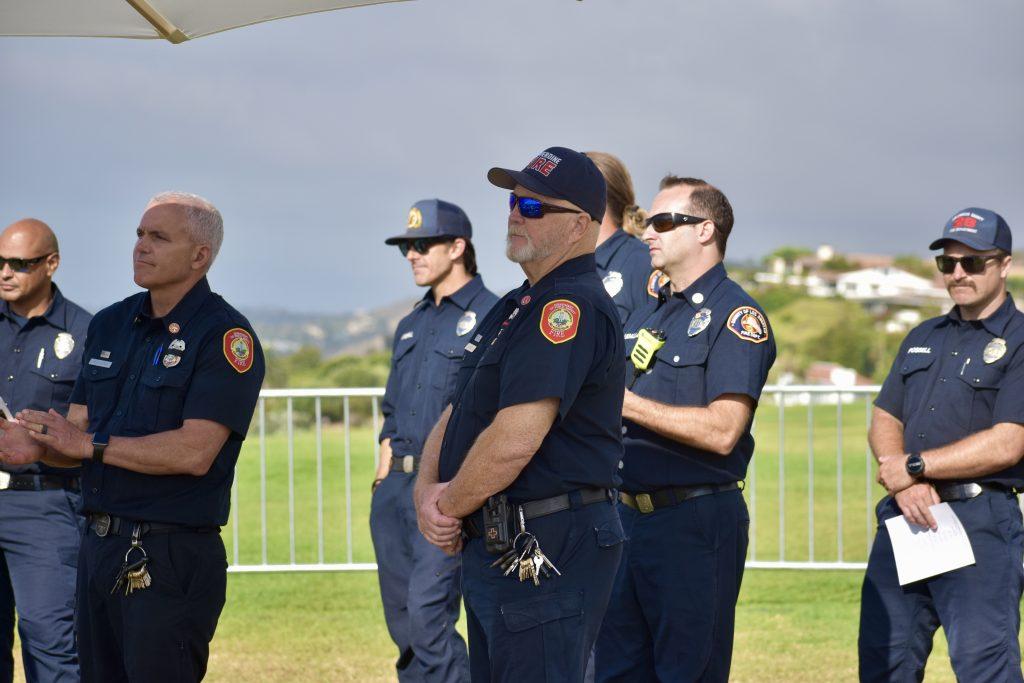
561 173
979 229
434 218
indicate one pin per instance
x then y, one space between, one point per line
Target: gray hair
203 220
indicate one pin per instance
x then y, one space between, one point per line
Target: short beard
526 253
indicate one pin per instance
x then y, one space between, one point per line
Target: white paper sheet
921 552
5 409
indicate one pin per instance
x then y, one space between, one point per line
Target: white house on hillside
887 283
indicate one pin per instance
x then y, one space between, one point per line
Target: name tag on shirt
100 363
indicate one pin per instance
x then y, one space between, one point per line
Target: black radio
498 525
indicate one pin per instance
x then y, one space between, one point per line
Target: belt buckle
644 503
972 490
5 480
408 464
101 524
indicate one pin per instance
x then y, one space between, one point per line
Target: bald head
31 233
29 249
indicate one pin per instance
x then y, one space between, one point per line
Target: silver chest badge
612 282
466 323
994 350
701 319
63 345
177 345
170 360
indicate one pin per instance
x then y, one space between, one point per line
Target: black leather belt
965 490
103 524
545 506
405 463
39 482
663 498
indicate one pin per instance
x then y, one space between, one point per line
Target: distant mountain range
353 333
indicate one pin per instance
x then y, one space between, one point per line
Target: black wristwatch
99 444
915 465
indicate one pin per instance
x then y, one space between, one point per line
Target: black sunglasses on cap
23 265
663 222
421 245
972 265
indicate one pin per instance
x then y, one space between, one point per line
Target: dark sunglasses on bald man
663 222
23 265
534 208
420 245
972 265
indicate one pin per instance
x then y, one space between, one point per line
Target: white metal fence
301 495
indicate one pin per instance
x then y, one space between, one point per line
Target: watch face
915 465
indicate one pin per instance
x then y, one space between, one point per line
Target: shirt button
16 349
955 353
95 490
931 408
621 464
10 378
419 386
131 376
977 380
623 429
119 413
412 412
675 359
920 435
942 379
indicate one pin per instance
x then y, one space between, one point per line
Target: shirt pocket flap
404 346
98 373
527 614
160 377
683 355
451 350
65 372
916 361
982 376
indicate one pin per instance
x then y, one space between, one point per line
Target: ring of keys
526 557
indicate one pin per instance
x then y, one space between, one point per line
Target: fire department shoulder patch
559 320
748 324
238 349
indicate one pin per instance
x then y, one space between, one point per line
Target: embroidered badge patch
559 321
655 282
748 324
238 349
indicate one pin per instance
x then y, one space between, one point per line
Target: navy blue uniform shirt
144 375
718 342
624 264
955 377
40 359
429 345
560 338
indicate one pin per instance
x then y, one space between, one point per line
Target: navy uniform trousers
158 634
39 536
675 593
978 605
419 586
522 632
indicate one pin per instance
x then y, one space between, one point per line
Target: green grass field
792 625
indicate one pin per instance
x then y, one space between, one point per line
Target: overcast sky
861 124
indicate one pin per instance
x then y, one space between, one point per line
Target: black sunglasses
534 208
420 245
972 265
663 222
23 265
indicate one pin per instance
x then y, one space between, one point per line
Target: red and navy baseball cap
979 229
434 218
561 173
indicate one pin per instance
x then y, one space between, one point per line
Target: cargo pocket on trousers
544 639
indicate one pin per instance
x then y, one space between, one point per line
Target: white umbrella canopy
173 20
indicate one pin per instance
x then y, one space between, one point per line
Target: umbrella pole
164 27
